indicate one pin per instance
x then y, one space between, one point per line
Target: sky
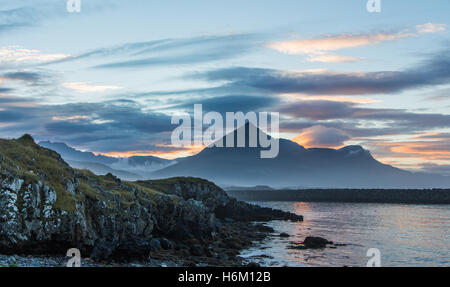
109 78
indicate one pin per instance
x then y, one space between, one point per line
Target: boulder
316 242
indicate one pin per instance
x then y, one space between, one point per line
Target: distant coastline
405 196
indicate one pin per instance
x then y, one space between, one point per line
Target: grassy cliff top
164 185
24 159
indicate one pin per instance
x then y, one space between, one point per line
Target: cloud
306 97
230 103
164 151
320 136
24 13
433 71
112 126
419 150
319 110
317 49
333 59
172 51
18 17
5 90
15 56
83 87
330 110
430 28
24 76
333 43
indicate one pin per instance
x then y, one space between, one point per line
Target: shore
223 251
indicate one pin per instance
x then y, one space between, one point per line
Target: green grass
165 185
25 159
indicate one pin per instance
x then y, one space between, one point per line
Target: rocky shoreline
224 251
48 207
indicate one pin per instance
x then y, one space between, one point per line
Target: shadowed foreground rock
47 207
312 242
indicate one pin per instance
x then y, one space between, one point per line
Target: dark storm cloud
108 116
329 110
433 71
24 76
8 116
230 103
113 125
319 110
5 90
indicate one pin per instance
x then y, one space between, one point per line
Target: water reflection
407 235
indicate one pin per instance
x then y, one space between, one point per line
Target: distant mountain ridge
348 167
132 168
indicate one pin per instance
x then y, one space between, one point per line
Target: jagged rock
223 256
264 228
155 244
166 243
196 250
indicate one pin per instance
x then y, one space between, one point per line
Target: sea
402 235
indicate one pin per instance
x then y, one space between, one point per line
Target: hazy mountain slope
132 168
102 169
349 167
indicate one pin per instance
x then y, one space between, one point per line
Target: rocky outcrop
242 211
48 207
217 200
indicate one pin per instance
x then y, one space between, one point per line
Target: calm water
406 235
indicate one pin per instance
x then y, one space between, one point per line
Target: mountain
348 167
132 168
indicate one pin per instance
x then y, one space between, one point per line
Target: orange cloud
320 136
318 49
17 55
413 151
83 87
321 45
171 154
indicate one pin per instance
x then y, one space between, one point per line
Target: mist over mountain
132 168
348 167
